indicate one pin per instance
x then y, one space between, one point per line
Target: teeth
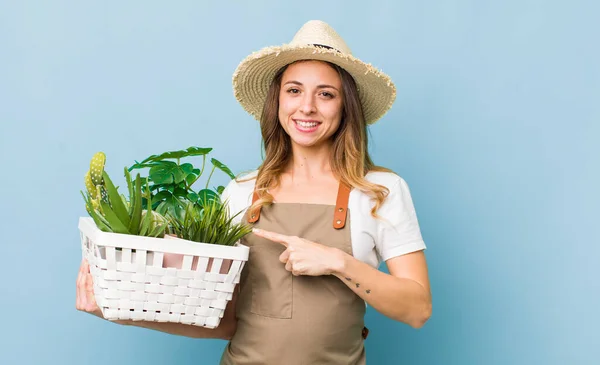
306 124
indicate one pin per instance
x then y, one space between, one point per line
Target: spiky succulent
111 211
208 222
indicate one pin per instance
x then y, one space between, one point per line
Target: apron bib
297 320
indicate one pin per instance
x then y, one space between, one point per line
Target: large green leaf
140 165
190 174
153 187
188 168
193 197
167 172
191 179
180 192
161 208
207 195
162 195
168 202
221 166
191 151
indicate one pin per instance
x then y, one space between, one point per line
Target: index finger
275 237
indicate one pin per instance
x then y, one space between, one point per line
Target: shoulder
242 182
396 185
388 179
398 200
238 192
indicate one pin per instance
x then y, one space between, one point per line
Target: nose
308 105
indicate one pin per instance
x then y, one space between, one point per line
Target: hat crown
321 33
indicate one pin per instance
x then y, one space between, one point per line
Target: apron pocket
271 283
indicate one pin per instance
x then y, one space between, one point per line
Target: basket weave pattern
137 283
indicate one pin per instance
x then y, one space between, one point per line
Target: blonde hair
350 160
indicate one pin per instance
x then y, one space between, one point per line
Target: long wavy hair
350 160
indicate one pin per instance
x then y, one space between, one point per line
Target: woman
324 215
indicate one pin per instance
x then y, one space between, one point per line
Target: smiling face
310 102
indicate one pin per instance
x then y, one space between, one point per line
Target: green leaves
171 181
113 212
193 197
222 167
209 222
165 200
191 151
167 172
207 195
169 202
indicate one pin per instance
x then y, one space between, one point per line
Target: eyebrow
322 86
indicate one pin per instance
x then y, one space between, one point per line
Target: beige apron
297 320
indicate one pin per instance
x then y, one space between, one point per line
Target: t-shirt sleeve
230 198
398 231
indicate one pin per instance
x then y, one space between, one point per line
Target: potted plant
113 212
165 252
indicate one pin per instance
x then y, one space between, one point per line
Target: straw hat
316 40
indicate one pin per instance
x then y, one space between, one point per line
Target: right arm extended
86 302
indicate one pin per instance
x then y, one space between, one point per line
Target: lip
306 130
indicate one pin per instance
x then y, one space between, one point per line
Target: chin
305 142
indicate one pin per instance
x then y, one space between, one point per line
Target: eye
293 91
328 95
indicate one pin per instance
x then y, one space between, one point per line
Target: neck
309 163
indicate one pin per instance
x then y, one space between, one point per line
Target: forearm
401 299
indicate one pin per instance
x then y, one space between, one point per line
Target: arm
403 295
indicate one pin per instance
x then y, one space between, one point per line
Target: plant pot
176 260
160 279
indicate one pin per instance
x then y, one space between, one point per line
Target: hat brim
253 77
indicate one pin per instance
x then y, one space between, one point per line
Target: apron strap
341 206
253 216
339 215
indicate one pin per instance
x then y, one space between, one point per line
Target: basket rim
88 227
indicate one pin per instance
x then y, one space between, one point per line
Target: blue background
495 128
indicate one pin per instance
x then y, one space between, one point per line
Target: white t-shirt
373 239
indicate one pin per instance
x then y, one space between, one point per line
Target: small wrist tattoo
349 279
368 291
357 285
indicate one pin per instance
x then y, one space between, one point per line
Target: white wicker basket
160 279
